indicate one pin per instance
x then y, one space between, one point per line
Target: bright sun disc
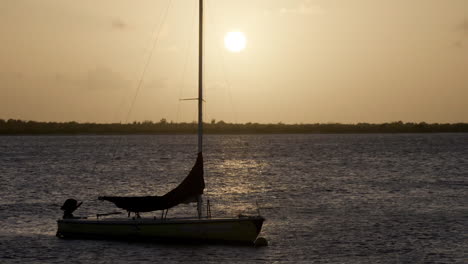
235 41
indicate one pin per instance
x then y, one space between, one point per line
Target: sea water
380 198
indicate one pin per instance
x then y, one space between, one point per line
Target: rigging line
187 58
148 60
209 20
223 67
147 50
204 61
145 68
122 102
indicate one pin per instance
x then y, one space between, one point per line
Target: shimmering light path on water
327 198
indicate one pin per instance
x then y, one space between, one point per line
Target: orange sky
306 61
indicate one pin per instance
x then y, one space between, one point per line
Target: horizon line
214 122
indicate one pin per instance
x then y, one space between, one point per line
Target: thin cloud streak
304 8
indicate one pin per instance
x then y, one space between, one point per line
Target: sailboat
202 228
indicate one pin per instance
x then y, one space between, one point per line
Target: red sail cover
187 191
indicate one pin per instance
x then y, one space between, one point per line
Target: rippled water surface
327 198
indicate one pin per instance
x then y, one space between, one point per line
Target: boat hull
236 230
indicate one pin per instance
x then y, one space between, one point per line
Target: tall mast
200 77
200 93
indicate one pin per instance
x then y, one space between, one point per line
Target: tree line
18 127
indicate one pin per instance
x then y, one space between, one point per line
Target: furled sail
187 191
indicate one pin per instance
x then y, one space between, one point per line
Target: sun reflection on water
235 185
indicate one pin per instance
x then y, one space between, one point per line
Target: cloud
119 24
463 27
304 8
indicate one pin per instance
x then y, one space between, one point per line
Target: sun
235 41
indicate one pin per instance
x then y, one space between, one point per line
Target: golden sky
306 61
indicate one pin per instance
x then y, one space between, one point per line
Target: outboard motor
69 207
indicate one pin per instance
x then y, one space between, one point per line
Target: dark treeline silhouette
12 127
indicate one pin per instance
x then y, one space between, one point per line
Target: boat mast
200 94
200 77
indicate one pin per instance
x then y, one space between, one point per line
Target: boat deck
155 220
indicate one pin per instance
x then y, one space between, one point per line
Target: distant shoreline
20 127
